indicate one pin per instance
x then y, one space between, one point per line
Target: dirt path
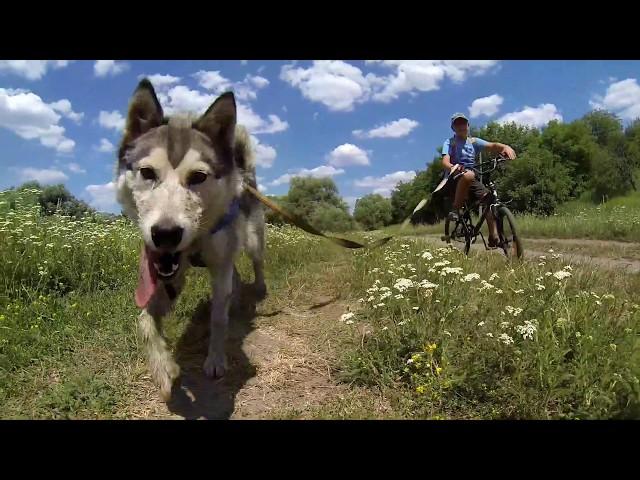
608 254
276 365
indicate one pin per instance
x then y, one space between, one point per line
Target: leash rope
303 225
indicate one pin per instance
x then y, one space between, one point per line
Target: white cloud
347 154
113 120
160 81
396 129
102 197
265 154
423 75
64 107
31 69
183 99
340 86
486 106
28 116
244 62
75 168
43 176
262 188
336 84
105 146
102 68
533 116
622 98
317 172
212 80
384 185
244 90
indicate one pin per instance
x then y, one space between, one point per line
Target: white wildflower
403 284
427 255
506 339
528 329
481 324
398 296
470 277
493 277
539 286
443 263
346 316
562 274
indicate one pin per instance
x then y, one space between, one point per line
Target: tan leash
302 224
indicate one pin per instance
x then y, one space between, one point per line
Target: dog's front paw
215 365
165 376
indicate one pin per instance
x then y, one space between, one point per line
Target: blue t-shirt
464 151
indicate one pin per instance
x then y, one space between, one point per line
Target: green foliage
373 211
330 218
317 200
537 182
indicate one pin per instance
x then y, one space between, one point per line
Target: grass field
432 333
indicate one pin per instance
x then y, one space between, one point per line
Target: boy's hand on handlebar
508 152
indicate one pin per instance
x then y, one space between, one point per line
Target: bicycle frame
465 221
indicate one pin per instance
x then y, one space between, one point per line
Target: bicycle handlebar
494 162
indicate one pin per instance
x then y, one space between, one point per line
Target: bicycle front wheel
510 242
454 232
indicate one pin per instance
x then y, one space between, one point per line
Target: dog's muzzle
167 264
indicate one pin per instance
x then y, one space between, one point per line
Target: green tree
537 181
330 218
373 211
307 193
575 145
605 126
519 137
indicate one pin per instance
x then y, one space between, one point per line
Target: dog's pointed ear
145 111
219 121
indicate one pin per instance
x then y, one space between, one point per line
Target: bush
537 182
373 211
330 218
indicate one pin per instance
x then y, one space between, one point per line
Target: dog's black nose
166 237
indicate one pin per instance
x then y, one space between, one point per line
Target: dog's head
177 176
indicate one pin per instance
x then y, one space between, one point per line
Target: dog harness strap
228 217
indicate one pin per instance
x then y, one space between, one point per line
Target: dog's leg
216 363
255 248
163 368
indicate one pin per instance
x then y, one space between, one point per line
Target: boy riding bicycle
458 155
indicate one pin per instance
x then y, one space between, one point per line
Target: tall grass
482 338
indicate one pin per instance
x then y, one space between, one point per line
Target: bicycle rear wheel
455 232
509 240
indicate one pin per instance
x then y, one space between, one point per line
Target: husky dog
181 180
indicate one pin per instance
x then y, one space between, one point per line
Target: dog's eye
148 173
197 177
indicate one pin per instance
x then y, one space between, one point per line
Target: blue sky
368 124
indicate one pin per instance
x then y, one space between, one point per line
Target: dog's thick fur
172 152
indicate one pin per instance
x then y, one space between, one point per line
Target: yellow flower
420 389
430 347
438 370
1 317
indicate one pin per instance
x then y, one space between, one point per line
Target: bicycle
465 232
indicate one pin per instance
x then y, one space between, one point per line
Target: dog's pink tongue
147 280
